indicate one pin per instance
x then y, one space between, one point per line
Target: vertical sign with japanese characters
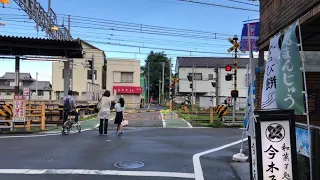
269 82
276 145
289 76
276 150
19 108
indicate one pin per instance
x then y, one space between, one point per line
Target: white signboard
19 108
26 91
269 82
276 150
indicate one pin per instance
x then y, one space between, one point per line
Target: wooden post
211 115
43 117
28 125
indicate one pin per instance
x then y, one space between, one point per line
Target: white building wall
205 86
201 86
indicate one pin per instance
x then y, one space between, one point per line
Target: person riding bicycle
69 107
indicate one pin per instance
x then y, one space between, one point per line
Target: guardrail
35 117
53 111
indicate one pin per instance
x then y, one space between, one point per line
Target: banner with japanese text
268 100
289 76
254 30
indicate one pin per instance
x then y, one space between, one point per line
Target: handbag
98 106
124 123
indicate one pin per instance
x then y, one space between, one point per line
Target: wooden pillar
211 115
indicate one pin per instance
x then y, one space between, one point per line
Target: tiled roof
22 76
211 62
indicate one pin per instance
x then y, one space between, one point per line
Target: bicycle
67 126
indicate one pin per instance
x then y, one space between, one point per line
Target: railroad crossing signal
235 46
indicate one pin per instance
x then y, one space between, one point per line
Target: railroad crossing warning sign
235 46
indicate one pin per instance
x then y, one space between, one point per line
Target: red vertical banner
19 108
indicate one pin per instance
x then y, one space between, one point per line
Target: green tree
154 61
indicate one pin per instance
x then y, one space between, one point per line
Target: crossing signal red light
228 68
234 93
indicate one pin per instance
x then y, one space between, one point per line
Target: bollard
43 117
211 115
28 125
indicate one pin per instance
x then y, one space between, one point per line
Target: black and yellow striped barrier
221 110
6 111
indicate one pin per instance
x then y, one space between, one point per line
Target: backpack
67 106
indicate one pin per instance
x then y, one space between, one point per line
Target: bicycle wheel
79 128
66 128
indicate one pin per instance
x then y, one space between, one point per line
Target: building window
198 76
62 73
210 76
127 77
40 93
89 75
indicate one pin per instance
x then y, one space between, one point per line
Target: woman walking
119 108
104 112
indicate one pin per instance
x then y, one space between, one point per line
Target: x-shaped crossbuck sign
235 46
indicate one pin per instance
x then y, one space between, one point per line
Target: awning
127 89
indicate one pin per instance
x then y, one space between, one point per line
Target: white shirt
118 107
104 112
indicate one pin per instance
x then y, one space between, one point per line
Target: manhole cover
129 164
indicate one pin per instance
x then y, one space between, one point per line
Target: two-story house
123 79
26 81
204 74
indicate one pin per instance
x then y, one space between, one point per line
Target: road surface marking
97 172
183 120
187 123
164 124
196 158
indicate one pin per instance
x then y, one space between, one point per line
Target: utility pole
170 76
217 84
159 84
92 76
148 64
192 95
162 82
37 84
235 39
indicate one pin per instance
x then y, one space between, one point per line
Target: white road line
196 158
97 172
164 124
183 119
187 123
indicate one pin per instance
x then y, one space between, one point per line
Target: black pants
103 129
74 113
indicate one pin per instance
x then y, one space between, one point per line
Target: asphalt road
167 154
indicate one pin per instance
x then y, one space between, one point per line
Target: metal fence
303 161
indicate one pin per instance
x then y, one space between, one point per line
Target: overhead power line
218 5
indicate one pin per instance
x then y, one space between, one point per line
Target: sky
120 28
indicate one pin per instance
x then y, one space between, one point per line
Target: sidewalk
242 170
171 120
